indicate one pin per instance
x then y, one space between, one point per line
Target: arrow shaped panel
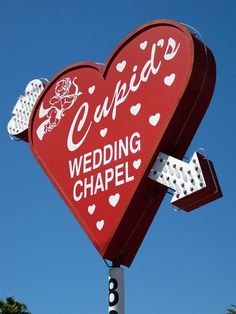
195 183
19 123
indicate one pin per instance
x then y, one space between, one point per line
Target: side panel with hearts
96 132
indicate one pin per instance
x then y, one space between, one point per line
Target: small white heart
143 45
136 163
100 224
168 80
103 132
160 43
120 66
91 209
135 109
153 120
91 89
114 199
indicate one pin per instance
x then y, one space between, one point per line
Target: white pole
116 291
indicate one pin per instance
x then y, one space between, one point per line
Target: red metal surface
96 131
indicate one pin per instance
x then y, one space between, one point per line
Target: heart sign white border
96 131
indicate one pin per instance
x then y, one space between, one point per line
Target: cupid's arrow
195 183
19 123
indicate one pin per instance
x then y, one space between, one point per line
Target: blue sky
186 263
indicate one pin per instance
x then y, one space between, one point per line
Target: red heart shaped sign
97 131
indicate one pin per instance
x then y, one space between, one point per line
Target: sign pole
116 290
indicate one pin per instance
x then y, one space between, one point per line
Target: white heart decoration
114 199
135 109
143 45
136 163
153 120
91 89
168 80
120 66
100 224
103 132
91 209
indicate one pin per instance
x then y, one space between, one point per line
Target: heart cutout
136 163
103 132
120 66
154 119
135 109
100 224
114 199
143 45
91 209
91 89
111 171
168 80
